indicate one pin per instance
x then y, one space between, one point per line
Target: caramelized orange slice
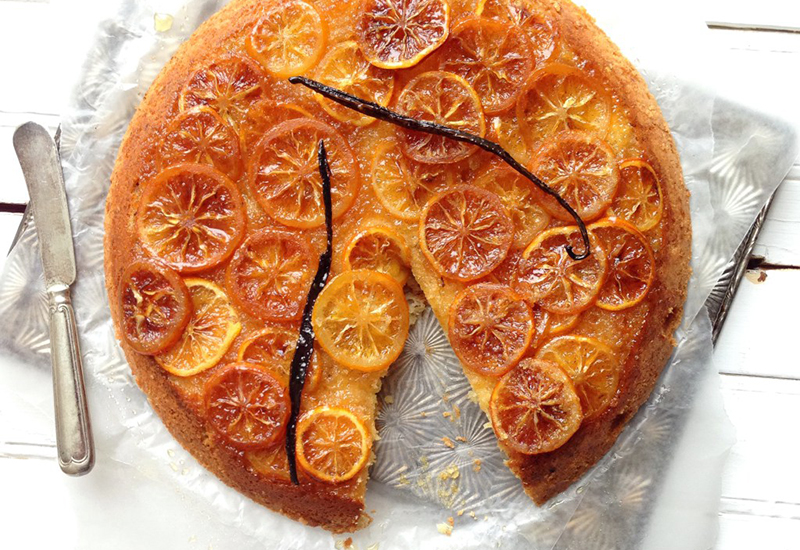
446 99
345 68
504 129
382 249
631 265
494 58
262 117
230 86
284 173
271 463
534 408
558 98
332 444
638 199
465 233
288 39
541 31
548 276
361 320
403 185
154 306
520 197
590 364
208 335
273 347
191 217
550 324
270 274
246 405
395 34
490 327
580 168
200 136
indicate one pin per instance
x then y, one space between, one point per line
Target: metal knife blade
41 167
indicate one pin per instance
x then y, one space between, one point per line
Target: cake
215 226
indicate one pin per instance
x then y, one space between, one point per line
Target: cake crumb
423 414
456 411
403 480
447 414
448 442
444 528
348 542
451 521
461 438
460 513
446 397
472 396
389 399
476 465
488 425
472 515
451 472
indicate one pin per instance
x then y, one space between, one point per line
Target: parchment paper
663 472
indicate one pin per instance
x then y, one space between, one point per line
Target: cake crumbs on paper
460 513
476 465
461 438
444 528
451 472
170 453
423 414
473 516
448 442
403 480
456 411
448 414
348 542
446 397
389 399
450 521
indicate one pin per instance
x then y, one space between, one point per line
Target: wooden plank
779 241
774 14
746 530
762 326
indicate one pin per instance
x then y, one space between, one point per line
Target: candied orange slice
403 185
154 306
558 98
361 319
273 347
332 444
191 217
465 233
262 117
548 276
504 129
246 405
271 463
288 38
382 249
284 173
200 136
444 98
590 364
541 31
230 86
395 34
631 265
270 274
520 197
580 168
490 327
345 68
550 324
638 199
494 58
534 408
210 332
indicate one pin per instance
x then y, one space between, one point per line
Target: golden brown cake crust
544 475
314 504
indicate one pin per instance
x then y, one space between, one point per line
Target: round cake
533 198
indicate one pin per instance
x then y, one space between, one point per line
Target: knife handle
73 430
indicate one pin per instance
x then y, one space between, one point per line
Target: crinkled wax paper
146 491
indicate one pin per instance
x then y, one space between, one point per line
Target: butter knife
41 167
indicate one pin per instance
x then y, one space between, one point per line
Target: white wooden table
756 353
